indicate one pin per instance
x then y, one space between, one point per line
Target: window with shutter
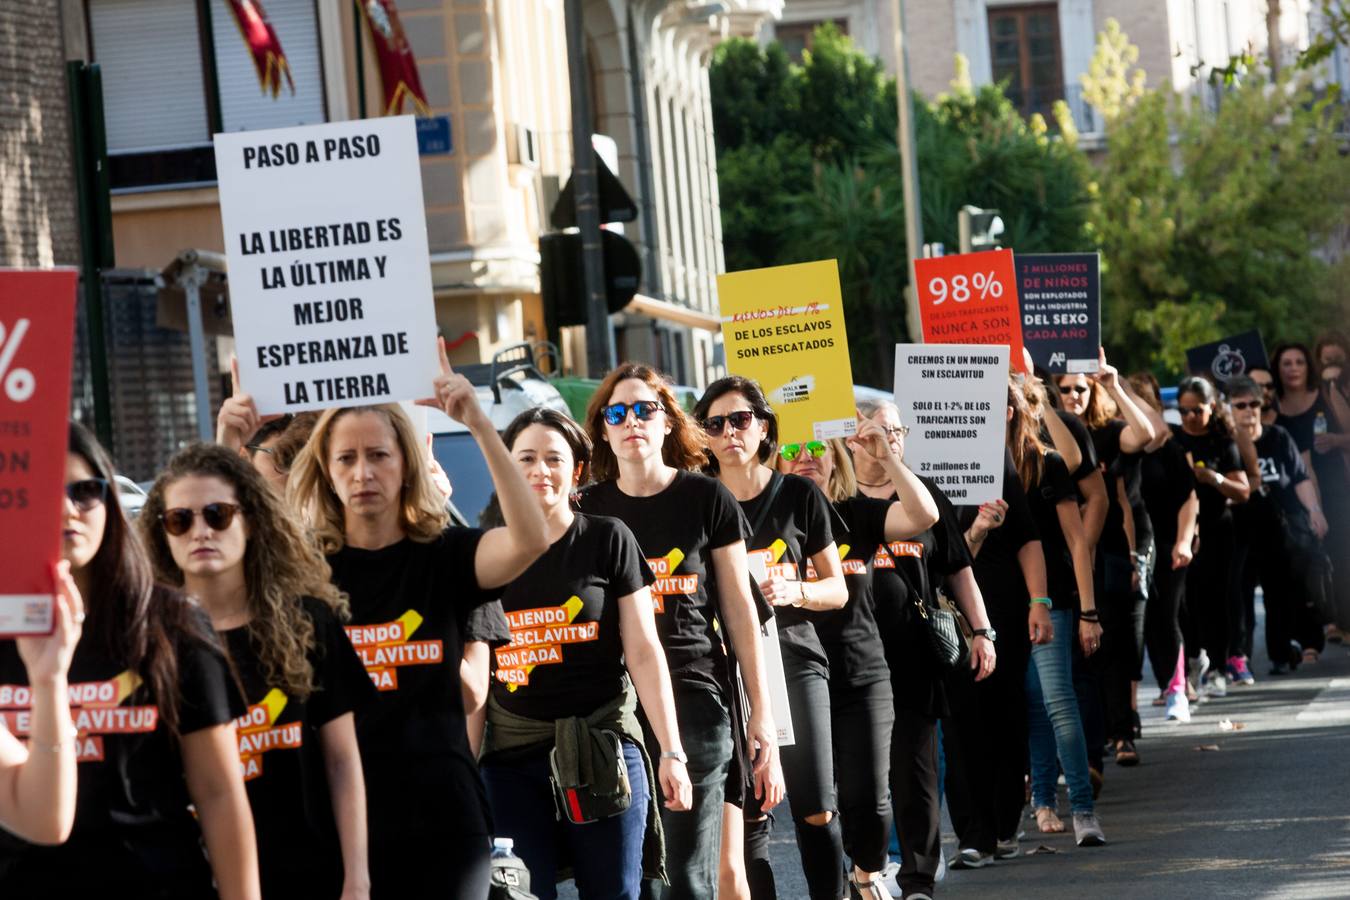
1024 51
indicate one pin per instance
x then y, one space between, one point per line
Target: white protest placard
954 399
773 664
330 280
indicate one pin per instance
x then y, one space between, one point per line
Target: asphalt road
1266 815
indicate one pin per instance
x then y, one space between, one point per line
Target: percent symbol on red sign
959 290
19 384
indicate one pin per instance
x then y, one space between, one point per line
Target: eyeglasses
1191 410
896 430
789 452
217 516
1246 404
271 454
1067 389
88 493
617 413
1264 385
740 420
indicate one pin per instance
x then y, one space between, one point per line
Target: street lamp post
909 168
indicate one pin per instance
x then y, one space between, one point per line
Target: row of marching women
292 676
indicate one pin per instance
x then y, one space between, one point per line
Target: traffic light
562 287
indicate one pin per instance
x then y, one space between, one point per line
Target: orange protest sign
970 299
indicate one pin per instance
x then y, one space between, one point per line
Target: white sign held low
773 664
954 399
330 279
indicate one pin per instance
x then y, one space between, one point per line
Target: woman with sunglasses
791 524
904 574
1121 428
215 528
1221 481
693 536
583 652
1284 526
38 778
862 707
1167 487
412 581
1316 414
154 710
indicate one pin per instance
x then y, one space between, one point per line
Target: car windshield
463 463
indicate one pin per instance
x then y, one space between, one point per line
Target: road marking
1332 703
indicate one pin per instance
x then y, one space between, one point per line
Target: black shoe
1138 726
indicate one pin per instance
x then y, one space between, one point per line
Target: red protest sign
37 321
970 299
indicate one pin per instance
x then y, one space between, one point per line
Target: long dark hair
682 448
571 432
753 395
281 563
1219 423
1312 384
135 621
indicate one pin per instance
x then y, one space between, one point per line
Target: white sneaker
1216 685
1178 707
890 879
970 858
941 869
1087 831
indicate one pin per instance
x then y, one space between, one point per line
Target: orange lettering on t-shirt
385 647
95 709
257 732
537 638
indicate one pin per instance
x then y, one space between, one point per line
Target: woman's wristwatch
677 755
986 633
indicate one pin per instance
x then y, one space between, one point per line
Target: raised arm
503 553
1140 428
646 663
914 510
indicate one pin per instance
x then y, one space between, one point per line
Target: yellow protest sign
784 327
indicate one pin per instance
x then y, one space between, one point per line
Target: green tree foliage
809 169
1210 218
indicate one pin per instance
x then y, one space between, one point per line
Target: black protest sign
1232 356
1061 298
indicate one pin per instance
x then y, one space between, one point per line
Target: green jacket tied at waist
584 758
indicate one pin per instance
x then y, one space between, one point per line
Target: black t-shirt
1217 452
677 530
1166 482
281 754
134 835
1083 438
1281 471
1044 498
997 569
901 571
565 656
850 635
1332 479
1106 440
795 528
488 624
410 604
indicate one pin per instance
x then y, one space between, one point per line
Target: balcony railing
1042 100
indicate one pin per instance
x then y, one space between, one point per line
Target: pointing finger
445 360
234 375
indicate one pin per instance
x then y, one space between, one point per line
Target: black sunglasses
1246 404
1067 389
217 516
740 420
1191 410
617 413
88 493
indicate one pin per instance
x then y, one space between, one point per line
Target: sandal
867 890
1161 699
1047 821
1126 755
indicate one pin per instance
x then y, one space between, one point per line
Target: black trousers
985 739
1208 595
1117 659
1162 617
914 784
862 719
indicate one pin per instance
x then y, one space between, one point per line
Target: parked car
131 495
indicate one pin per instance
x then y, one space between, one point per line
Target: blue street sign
433 136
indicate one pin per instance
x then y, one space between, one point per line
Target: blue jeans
606 856
1054 729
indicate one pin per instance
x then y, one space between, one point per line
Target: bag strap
776 480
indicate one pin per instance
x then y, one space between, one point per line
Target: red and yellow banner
268 58
398 68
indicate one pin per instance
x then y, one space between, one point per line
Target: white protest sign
330 280
954 399
773 664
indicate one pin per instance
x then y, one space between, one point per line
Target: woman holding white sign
862 707
413 582
154 706
790 523
693 536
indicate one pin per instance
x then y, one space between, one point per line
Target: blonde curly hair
310 491
281 563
